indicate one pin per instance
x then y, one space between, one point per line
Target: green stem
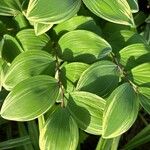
60 83
21 21
115 143
41 122
104 144
122 70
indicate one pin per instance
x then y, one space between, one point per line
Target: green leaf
87 109
76 23
59 132
40 28
100 78
50 11
30 98
134 55
120 112
141 138
83 46
28 64
71 73
10 48
117 11
119 39
133 5
144 97
9 7
29 41
141 73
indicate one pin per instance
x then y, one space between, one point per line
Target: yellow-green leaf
59 132
120 112
117 11
30 98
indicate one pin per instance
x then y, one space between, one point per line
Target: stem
21 21
115 143
41 122
59 81
121 68
104 144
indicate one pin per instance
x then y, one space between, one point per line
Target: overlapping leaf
84 46
133 5
50 11
120 112
100 78
144 97
40 28
141 74
134 54
117 11
28 64
77 22
87 109
59 132
70 74
122 38
29 41
10 48
30 98
10 7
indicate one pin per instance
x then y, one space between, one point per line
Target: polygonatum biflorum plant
72 68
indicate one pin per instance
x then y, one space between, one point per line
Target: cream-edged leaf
29 41
141 73
30 98
59 132
133 5
83 46
144 97
120 112
50 11
40 28
10 7
117 11
87 109
70 74
28 64
135 54
78 23
100 78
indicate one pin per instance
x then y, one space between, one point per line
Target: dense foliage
74 74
